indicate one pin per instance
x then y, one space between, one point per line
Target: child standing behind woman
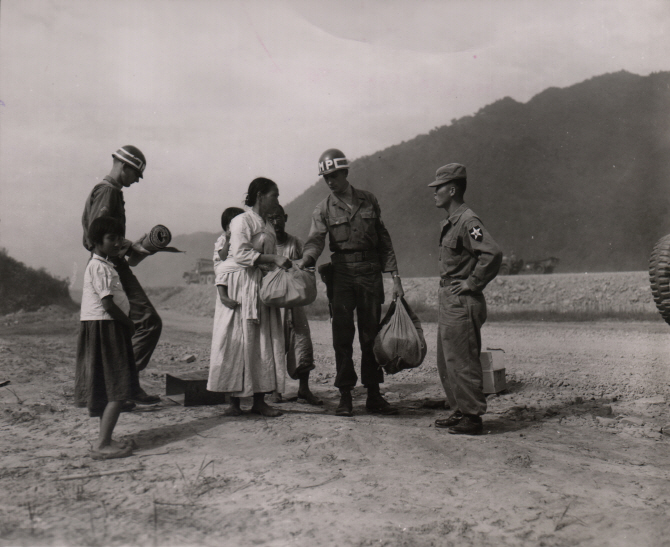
221 248
105 365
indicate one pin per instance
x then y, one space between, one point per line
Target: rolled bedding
158 239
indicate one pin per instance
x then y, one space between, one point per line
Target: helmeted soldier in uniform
469 260
106 199
362 250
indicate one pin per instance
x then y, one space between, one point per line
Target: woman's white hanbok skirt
247 356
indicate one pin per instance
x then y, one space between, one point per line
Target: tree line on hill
27 289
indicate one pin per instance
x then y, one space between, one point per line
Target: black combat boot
346 406
376 404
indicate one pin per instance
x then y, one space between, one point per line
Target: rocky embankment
610 291
615 292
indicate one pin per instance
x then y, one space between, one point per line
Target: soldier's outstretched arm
316 241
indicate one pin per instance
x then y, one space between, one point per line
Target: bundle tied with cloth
288 288
157 240
400 343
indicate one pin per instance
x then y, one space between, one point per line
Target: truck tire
659 276
504 270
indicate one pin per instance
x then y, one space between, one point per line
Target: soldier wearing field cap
469 260
362 250
106 199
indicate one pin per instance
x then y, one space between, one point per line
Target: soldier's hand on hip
459 287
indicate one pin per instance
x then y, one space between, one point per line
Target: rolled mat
158 239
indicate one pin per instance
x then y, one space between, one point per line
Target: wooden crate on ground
493 367
190 389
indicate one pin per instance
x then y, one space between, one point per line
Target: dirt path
573 452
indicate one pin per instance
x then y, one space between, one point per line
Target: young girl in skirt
105 363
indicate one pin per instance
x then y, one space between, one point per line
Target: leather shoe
346 406
142 398
469 425
376 404
453 419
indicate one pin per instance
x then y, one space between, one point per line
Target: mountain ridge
579 172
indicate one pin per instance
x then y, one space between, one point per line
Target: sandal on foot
268 412
310 398
122 453
233 411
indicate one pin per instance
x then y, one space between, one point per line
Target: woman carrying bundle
247 356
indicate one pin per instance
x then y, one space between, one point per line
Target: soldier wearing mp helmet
361 251
106 199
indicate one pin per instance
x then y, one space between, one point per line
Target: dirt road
573 452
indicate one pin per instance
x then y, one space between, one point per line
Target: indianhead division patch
476 233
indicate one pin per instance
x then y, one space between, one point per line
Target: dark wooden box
190 389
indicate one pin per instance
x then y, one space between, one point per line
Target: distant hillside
580 173
167 269
27 289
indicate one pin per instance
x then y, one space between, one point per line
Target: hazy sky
217 92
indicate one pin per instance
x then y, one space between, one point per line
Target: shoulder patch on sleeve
476 232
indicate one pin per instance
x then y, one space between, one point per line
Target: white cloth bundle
400 343
288 288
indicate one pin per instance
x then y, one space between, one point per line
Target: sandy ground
573 454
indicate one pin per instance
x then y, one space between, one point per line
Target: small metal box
190 389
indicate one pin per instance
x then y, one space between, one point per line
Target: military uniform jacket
106 199
350 230
467 250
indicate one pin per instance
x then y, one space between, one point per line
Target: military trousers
459 345
148 324
357 286
299 350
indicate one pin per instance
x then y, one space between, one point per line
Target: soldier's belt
358 256
446 281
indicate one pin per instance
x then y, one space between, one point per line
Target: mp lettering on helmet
476 233
337 163
332 160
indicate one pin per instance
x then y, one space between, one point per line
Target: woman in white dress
248 356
